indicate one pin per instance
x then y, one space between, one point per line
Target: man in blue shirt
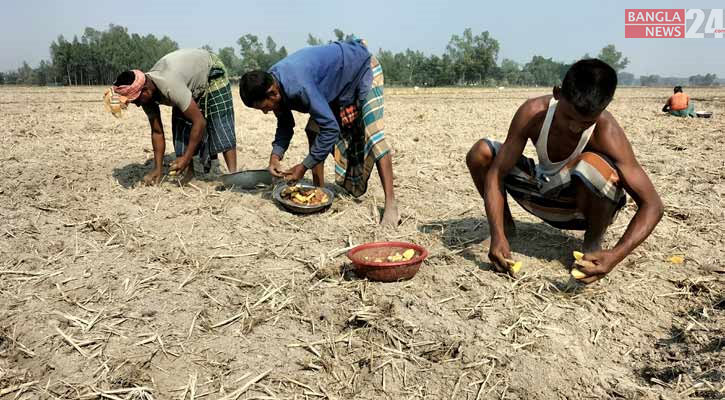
341 86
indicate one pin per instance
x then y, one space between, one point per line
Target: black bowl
299 208
249 180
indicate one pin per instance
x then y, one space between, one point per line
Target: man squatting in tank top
586 164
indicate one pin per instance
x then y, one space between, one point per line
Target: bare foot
391 217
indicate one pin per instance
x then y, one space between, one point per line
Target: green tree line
470 58
95 58
698 80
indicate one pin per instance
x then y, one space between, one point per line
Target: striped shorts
553 198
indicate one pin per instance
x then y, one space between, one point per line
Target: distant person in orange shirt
679 104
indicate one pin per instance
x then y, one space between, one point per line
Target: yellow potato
395 257
300 198
408 254
172 172
515 265
579 260
576 274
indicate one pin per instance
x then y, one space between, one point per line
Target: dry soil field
113 290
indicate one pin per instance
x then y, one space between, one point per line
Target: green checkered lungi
217 106
363 144
688 112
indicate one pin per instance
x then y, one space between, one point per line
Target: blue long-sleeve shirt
312 78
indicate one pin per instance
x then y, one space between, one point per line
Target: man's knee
479 156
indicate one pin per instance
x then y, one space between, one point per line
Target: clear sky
564 30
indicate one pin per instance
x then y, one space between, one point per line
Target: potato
576 274
395 257
515 265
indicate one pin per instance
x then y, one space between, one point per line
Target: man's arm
638 185
198 125
666 107
283 135
325 141
505 159
282 138
178 94
636 182
158 143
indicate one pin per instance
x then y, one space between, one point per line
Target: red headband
133 90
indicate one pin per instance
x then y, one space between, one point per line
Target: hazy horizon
564 31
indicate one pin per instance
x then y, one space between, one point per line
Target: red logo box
654 23
647 16
654 31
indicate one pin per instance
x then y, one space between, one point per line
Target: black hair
678 89
125 78
253 87
589 86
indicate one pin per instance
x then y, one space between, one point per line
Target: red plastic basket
364 256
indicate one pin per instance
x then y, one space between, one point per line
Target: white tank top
546 167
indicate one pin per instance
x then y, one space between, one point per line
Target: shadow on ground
131 175
695 347
535 240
